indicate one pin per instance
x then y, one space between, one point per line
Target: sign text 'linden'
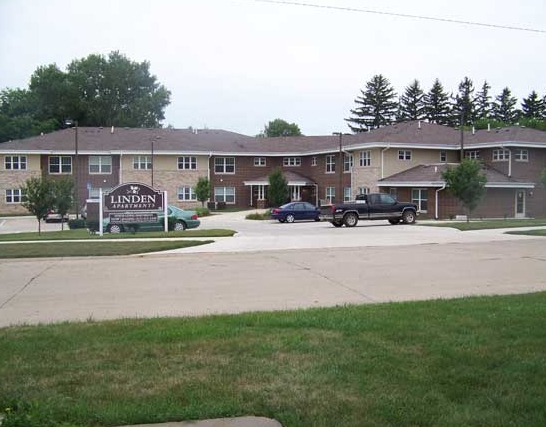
133 197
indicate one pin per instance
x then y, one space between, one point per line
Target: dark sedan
296 211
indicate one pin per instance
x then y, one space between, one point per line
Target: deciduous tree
278 188
280 127
202 190
38 198
63 196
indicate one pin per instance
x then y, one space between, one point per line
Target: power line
403 15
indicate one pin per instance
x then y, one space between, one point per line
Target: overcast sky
237 64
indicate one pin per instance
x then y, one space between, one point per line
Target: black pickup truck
369 206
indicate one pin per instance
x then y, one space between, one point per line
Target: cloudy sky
236 64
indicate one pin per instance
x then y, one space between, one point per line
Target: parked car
296 211
179 219
52 216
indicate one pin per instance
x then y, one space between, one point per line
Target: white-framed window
393 191
363 190
291 161
15 195
347 162
501 155
330 193
94 192
186 194
365 158
443 156
404 154
142 162
314 161
15 162
224 165
224 194
521 155
347 194
330 163
100 164
419 196
187 162
472 154
259 161
60 164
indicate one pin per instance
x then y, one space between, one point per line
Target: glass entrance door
520 203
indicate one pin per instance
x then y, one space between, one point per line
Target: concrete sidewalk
220 422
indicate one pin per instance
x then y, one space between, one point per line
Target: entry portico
299 188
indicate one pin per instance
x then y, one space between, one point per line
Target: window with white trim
419 196
347 162
443 156
15 162
314 161
472 154
224 165
224 194
187 163
521 155
393 191
404 154
259 161
15 195
501 155
291 161
94 191
60 164
100 164
186 194
363 190
330 163
330 193
365 158
347 194
142 162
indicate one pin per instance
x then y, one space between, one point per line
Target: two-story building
406 160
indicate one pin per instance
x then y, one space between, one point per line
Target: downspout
437 191
208 173
509 163
351 172
382 161
316 195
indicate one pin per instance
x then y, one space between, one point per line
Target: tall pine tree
437 104
412 105
376 106
483 103
532 107
504 108
464 103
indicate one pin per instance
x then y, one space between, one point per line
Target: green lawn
70 249
489 224
81 233
451 363
539 232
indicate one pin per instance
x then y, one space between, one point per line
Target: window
259 161
224 194
330 163
224 165
501 155
347 162
419 196
386 199
443 156
473 154
365 158
347 194
404 155
314 161
15 196
94 191
187 162
142 162
186 194
363 190
15 162
393 192
521 155
330 193
291 161
100 164
60 164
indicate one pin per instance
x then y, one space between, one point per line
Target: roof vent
112 130
473 130
488 127
435 169
419 124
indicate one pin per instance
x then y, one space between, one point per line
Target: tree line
379 105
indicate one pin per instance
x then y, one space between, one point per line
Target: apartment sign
133 197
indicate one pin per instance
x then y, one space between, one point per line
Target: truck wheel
350 220
408 217
394 221
337 224
289 218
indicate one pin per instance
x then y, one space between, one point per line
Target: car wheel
281 220
337 224
408 217
350 220
394 221
115 229
179 226
290 218
317 219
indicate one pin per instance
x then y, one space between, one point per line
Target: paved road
47 290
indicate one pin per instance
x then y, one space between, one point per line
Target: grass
539 232
451 363
83 234
490 224
79 249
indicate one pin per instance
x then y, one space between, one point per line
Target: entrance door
520 203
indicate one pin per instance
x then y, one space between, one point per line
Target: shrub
202 212
76 223
259 216
220 205
92 226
